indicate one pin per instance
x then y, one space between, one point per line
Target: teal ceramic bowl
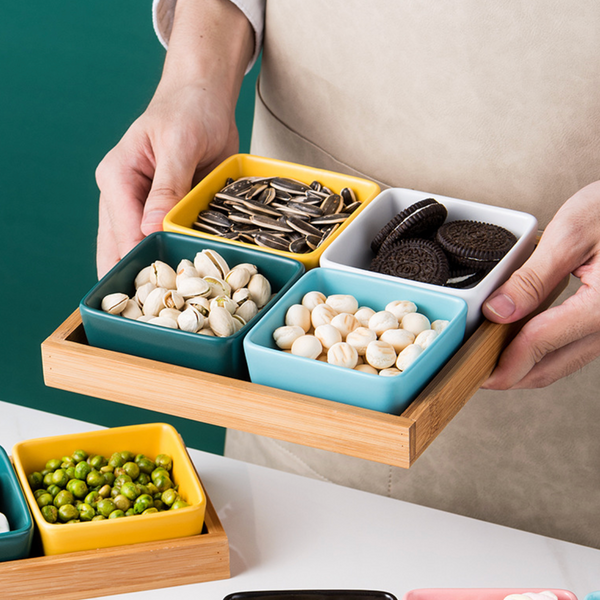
268 365
15 543
220 355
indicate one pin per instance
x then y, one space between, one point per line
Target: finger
548 332
123 191
107 254
172 181
530 285
554 366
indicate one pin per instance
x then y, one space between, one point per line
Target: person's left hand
563 338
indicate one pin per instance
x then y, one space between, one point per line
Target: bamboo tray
121 569
70 363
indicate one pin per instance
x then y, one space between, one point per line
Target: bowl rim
19 495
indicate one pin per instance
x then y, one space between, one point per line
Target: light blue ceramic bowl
593 596
268 365
220 355
15 543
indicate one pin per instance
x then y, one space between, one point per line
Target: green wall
74 75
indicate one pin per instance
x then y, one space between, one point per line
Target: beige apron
492 102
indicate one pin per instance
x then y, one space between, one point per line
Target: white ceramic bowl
351 250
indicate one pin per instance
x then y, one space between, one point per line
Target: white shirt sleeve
164 10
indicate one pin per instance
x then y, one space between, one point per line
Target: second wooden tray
121 569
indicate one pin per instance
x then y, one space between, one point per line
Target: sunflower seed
313 241
271 241
206 228
332 204
299 246
291 186
213 217
268 223
329 219
304 227
267 196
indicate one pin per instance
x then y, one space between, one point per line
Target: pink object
479 593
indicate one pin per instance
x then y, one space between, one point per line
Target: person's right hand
183 135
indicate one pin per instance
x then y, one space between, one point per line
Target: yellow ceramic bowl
182 216
151 440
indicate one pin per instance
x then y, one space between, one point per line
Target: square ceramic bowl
150 439
480 593
220 355
273 367
183 215
351 250
15 543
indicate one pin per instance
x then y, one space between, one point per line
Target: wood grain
121 569
69 363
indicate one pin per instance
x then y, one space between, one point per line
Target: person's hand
188 128
563 338
184 134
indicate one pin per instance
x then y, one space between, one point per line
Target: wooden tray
121 569
70 363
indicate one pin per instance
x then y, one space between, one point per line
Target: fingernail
501 305
154 218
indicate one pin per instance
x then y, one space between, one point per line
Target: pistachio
173 299
164 322
307 346
172 313
206 331
154 302
211 263
260 289
415 323
252 269
240 296
114 303
200 303
132 310
218 286
189 287
343 303
248 310
238 322
142 292
225 302
286 335
162 275
142 277
221 322
238 277
145 318
190 320
186 268
298 315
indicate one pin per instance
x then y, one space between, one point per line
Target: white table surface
290 532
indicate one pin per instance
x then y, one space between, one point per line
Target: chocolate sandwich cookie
415 259
474 244
420 219
464 277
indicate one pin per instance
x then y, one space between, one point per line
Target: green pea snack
89 487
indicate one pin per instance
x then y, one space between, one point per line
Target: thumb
527 287
172 181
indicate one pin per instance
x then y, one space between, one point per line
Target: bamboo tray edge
71 364
121 569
